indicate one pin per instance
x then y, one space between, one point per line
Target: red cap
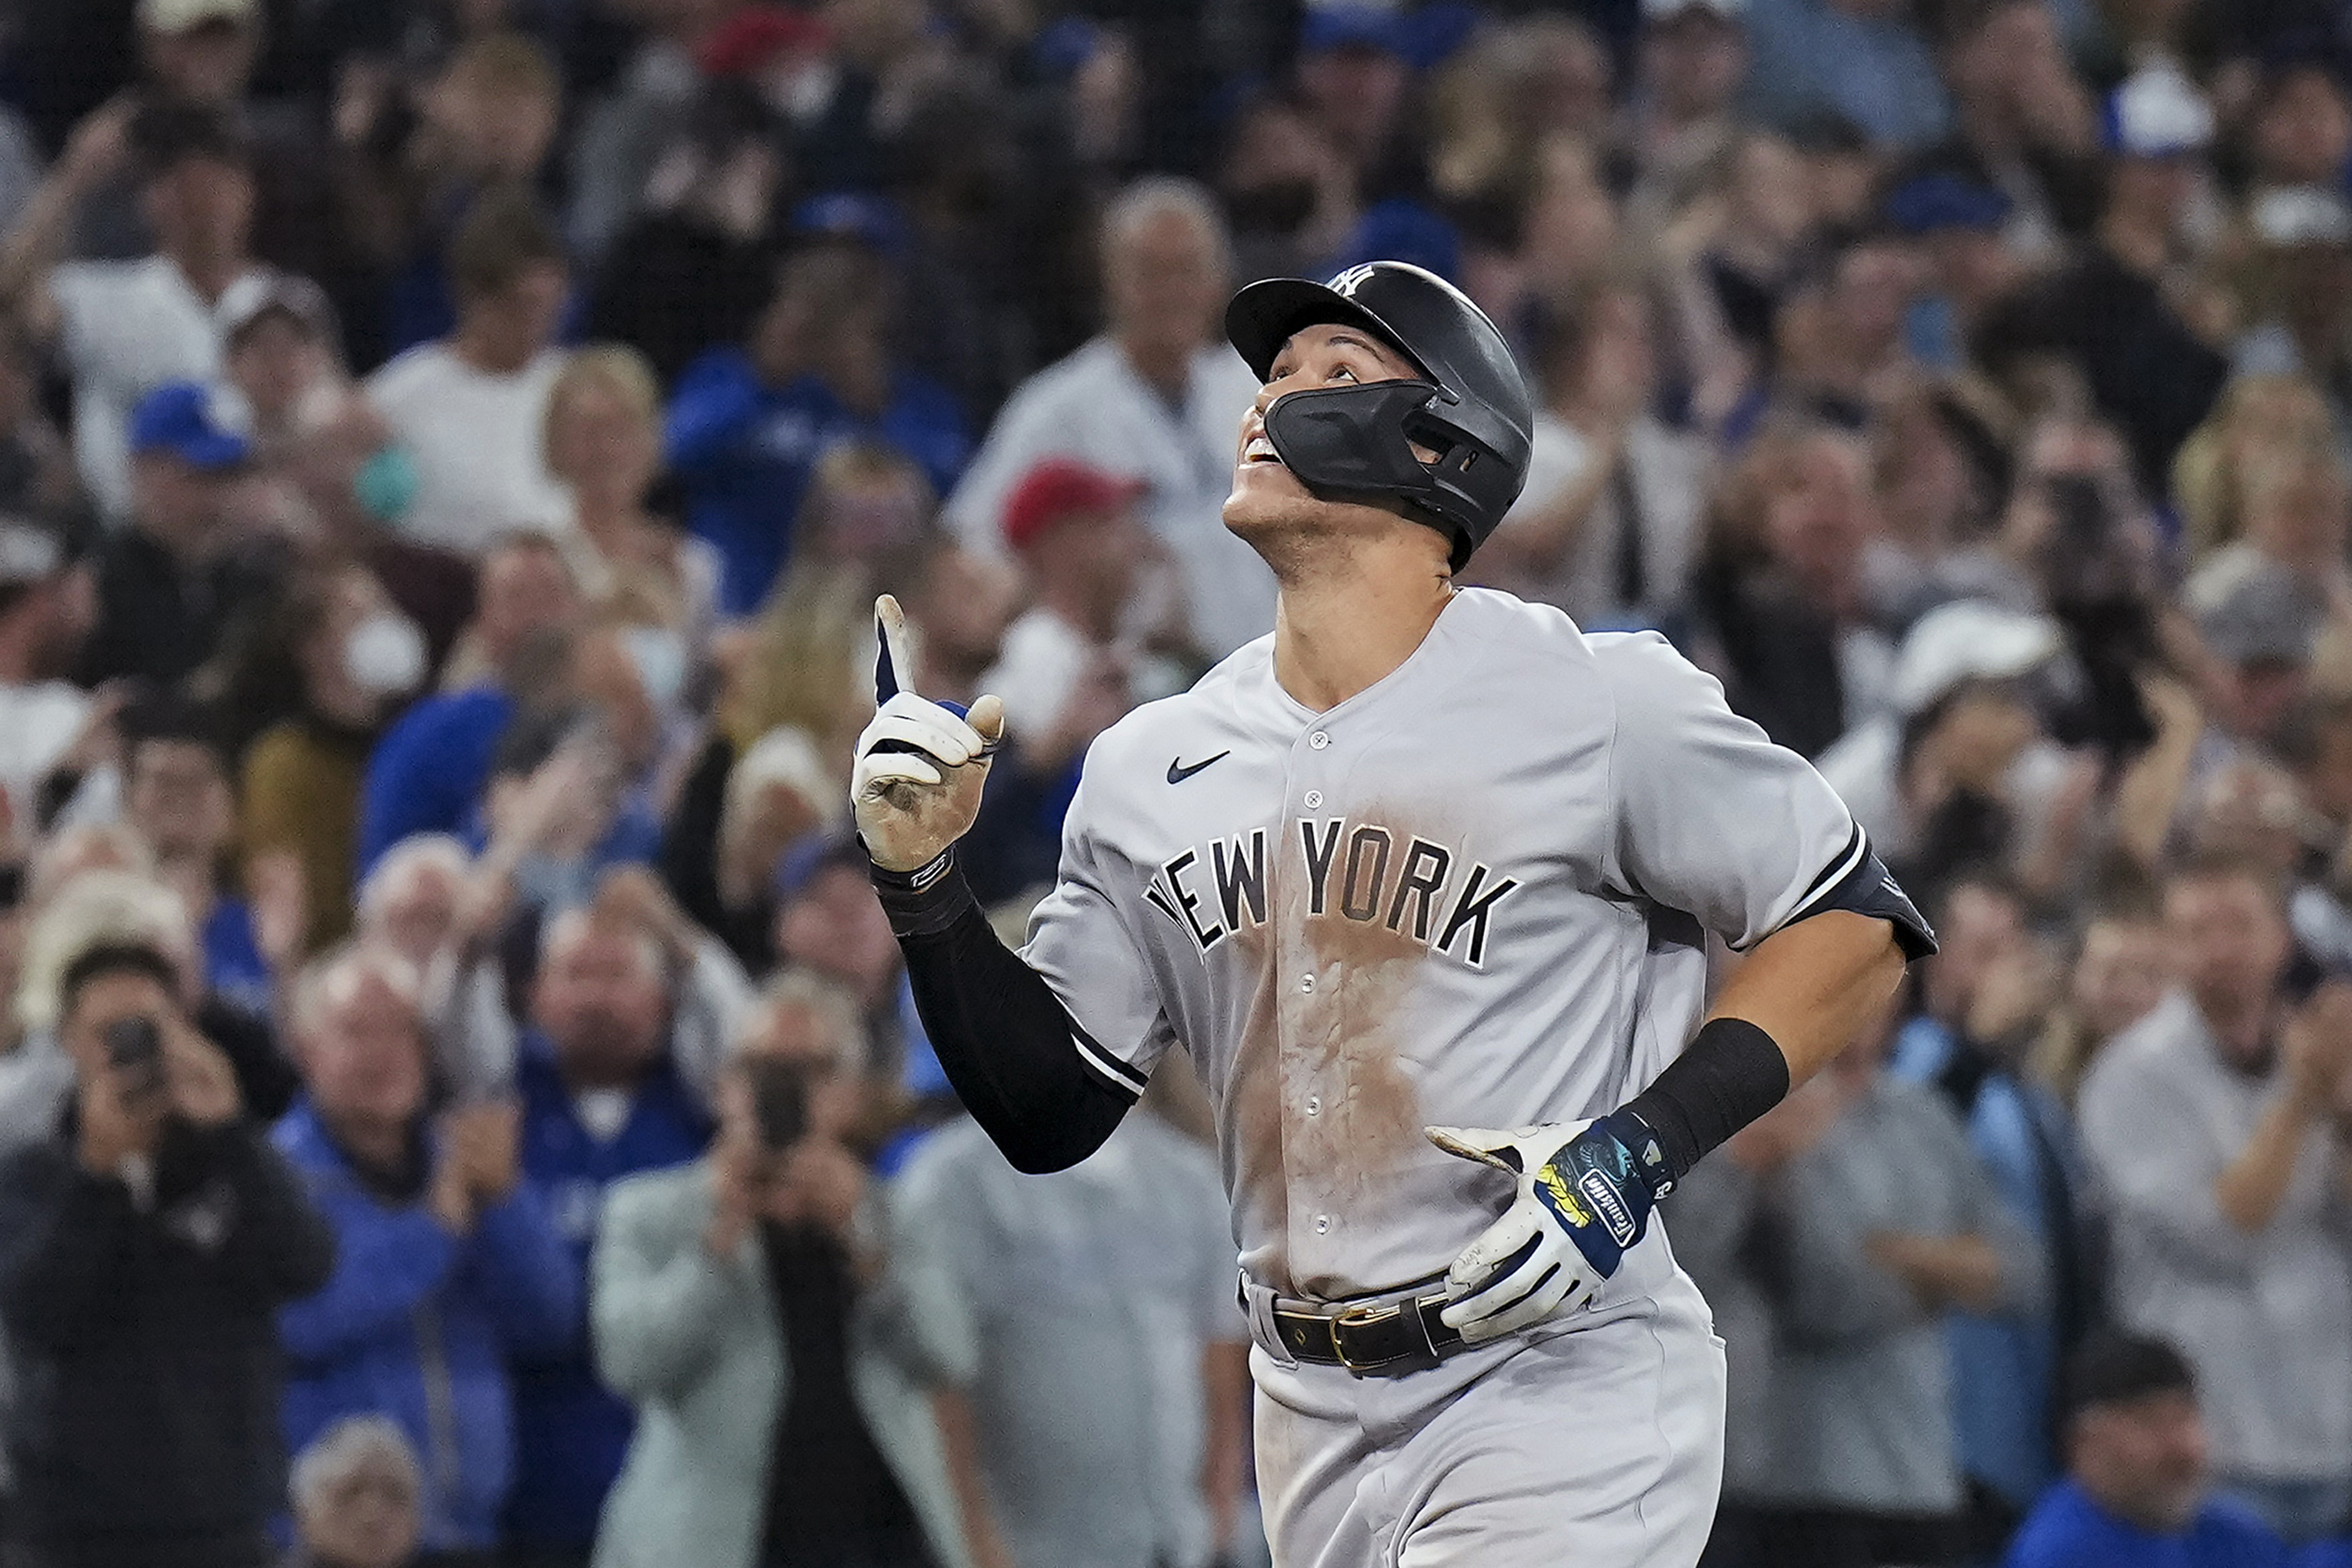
757 35
1062 487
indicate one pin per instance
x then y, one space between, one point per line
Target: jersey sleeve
1710 816
1081 940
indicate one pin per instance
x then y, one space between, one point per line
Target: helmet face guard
1466 403
1356 443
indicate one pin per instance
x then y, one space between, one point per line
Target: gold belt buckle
1362 1316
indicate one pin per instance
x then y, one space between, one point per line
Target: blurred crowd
460 1101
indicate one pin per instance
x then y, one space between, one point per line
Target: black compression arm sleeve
1002 1036
1731 1074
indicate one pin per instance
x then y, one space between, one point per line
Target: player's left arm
1716 820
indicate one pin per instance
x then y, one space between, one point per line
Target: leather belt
1379 1339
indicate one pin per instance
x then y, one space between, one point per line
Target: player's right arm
1030 1076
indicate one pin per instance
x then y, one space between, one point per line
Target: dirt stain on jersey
1252 1115
1349 1057
1351 1051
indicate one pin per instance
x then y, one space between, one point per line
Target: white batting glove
1586 1189
920 764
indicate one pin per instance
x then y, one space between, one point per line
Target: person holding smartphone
145 1248
786 1362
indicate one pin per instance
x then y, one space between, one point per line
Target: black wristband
926 901
1731 1074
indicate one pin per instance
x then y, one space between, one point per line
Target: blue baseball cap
1351 25
1933 203
178 418
871 220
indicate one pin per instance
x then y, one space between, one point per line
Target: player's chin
1264 495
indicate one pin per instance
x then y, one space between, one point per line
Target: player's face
1266 494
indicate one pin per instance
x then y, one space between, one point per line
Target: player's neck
1345 625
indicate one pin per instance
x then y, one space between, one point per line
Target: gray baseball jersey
1475 893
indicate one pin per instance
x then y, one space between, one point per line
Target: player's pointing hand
920 764
1586 1196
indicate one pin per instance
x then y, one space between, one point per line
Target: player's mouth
1260 449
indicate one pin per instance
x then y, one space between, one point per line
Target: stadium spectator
176 792
2299 128
2260 418
2135 1493
661 89
343 657
1870 1220
829 922
610 1087
2122 966
1690 58
1062 671
173 578
2262 622
1608 522
2293 511
1353 74
695 266
335 474
356 1492
480 118
145 1238
1779 587
1283 191
1937 781
96 886
1987 990
1147 1349
781 1353
1743 257
123 328
471 407
2299 303
2112 310
599 710
604 447
749 426
1839 335
448 1264
432 766
49 726
1968 266
2022 122
2209 1124
1155 397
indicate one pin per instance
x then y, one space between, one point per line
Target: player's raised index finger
893 666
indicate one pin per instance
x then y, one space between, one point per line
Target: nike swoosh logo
1178 773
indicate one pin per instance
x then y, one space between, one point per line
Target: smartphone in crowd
779 1104
135 1048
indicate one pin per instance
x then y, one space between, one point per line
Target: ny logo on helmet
1352 279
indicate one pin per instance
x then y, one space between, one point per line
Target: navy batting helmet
1471 405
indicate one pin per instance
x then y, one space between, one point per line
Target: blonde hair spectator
104 907
2258 416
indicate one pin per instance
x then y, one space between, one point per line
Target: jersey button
1315 798
1307 983
1319 740
1314 1105
1323 1225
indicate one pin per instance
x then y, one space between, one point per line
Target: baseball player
1423 882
